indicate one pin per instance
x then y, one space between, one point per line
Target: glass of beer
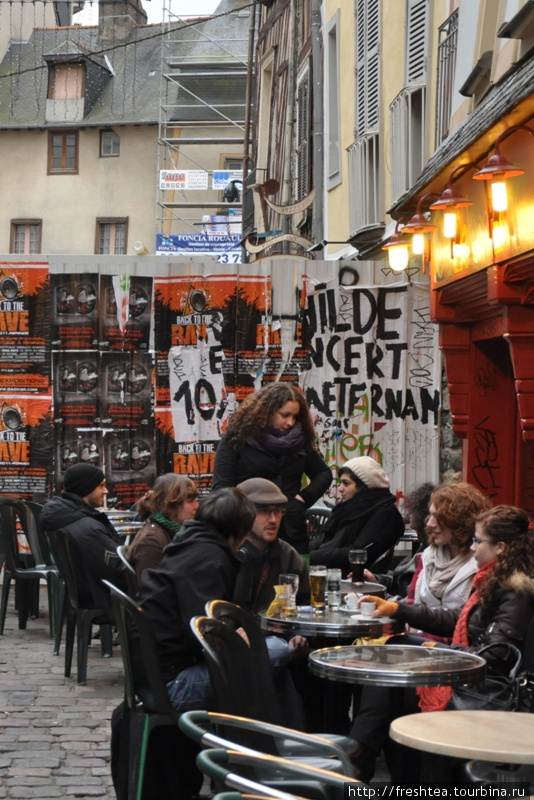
290 582
358 560
318 588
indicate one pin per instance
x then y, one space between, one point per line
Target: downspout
248 110
318 118
290 120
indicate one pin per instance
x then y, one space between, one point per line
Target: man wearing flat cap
76 510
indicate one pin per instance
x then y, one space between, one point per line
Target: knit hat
368 471
262 492
81 479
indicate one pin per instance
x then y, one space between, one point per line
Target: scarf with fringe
436 698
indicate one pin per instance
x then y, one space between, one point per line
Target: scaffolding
202 118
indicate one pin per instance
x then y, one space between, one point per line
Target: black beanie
81 479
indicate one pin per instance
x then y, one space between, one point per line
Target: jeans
191 689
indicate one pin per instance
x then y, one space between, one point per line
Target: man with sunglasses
264 557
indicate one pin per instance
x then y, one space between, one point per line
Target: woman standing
171 501
271 436
366 517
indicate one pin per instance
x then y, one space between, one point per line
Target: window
408 139
364 190
110 144
66 81
63 152
447 46
25 236
111 236
332 94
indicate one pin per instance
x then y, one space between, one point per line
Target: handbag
495 692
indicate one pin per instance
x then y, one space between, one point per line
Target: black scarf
363 502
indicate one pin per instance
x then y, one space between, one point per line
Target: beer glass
358 560
318 588
333 587
291 583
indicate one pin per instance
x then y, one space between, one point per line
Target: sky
154 9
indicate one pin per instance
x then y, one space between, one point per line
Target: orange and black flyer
76 388
26 447
130 465
74 301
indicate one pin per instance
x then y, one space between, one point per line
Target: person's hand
384 608
369 576
300 646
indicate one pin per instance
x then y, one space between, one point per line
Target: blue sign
227 247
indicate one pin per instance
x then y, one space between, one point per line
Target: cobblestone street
54 734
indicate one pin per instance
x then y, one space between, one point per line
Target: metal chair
211 729
224 766
80 619
131 575
15 519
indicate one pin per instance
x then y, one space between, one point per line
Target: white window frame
333 115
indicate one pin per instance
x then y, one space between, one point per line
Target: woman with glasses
271 436
499 609
163 509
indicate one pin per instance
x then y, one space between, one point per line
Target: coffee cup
367 608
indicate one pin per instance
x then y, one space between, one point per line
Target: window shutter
367 66
416 42
303 137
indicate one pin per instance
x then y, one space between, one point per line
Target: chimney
118 18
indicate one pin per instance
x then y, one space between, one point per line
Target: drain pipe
318 118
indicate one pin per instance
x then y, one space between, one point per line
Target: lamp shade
497 165
450 198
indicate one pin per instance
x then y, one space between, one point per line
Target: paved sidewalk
54 734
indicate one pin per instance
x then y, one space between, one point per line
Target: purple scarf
284 441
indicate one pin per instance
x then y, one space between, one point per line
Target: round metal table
396 665
338 625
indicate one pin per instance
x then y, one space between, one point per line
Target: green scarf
166 524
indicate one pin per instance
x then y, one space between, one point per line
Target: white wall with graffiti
143 360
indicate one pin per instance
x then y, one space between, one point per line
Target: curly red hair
457 507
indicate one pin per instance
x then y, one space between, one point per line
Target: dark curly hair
511 526
251 421
169 491
457 507
417 504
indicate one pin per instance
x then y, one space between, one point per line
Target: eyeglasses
268 510
476 540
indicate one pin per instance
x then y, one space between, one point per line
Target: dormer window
66 81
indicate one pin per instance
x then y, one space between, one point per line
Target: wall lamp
450 201
397 249
418 225
498 168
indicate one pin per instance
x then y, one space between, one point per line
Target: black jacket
508 621
286 471
259 574
97 542
369 518
197 566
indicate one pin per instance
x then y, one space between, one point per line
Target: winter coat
254 589
146 550
507 621
96 540
197 566
368 520
286 470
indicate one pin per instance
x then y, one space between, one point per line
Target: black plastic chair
131 575
245 696
157 709
25 569
316 516
224 766
79 618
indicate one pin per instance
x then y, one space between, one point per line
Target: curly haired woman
499 610
171 501
271 436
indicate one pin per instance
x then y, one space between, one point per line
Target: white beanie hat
368 471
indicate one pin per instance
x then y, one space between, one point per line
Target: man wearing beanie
365 518
76 509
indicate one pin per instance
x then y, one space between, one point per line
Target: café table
503 737
340 626
396 665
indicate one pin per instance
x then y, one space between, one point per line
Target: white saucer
348 610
